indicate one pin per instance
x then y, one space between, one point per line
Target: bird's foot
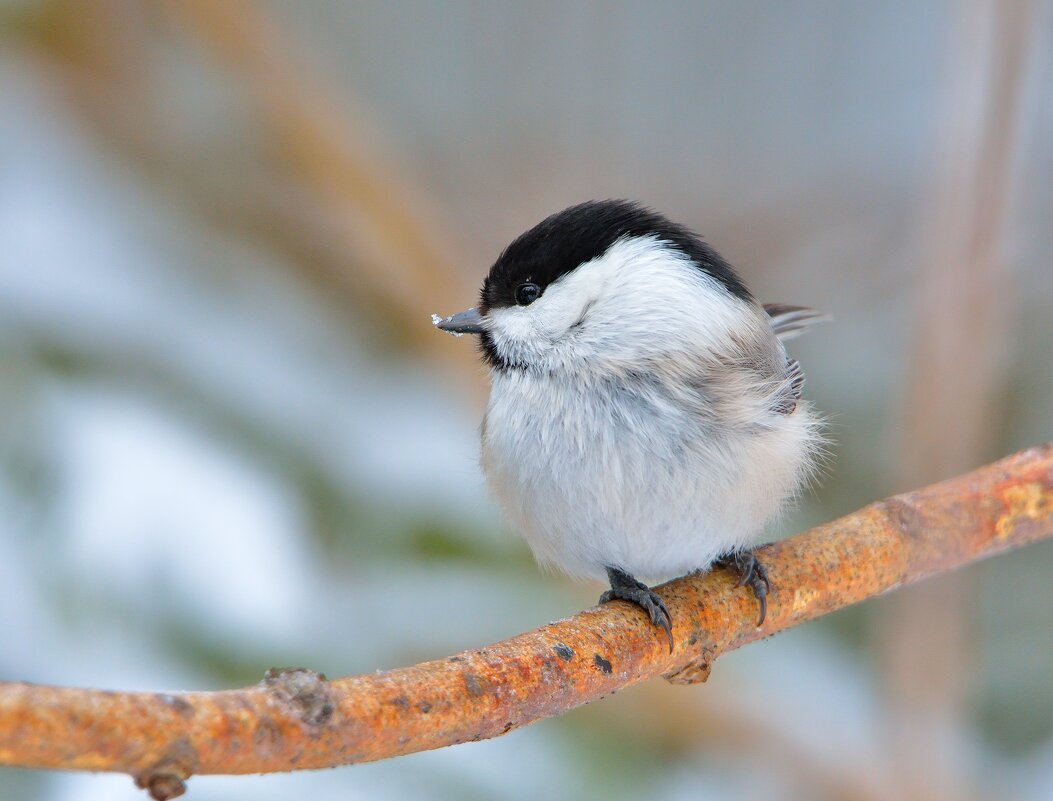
625 588
751 573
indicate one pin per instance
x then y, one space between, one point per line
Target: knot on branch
304 693
697 670
167 779
162 786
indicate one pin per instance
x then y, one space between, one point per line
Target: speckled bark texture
296 718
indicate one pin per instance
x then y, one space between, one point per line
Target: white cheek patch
651 296
514 333
525 334
639 296
511 323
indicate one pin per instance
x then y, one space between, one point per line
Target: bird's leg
625 588
750 573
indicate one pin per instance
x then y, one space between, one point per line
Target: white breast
625 472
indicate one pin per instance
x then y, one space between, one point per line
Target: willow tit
644 418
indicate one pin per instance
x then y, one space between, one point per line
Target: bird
644 418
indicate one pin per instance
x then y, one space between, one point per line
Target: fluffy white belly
622 475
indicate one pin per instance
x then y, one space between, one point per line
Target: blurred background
231 439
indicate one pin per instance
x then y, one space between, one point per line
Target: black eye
527 294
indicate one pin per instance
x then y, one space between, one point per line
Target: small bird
644 418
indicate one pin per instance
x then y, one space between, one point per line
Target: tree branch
296 719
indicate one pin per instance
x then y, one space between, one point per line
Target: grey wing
790 321
787 322
761 368
786 401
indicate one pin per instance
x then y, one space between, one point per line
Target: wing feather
790 321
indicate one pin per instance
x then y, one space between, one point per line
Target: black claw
760 590
625 588
751 574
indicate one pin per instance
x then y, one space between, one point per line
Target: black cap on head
579 234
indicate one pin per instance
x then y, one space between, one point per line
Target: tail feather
790 321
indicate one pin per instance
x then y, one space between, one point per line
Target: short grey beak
467 322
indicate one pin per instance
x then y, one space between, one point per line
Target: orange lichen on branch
297 719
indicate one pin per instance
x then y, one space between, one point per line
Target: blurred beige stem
297 719
394 229
333 199
955 374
